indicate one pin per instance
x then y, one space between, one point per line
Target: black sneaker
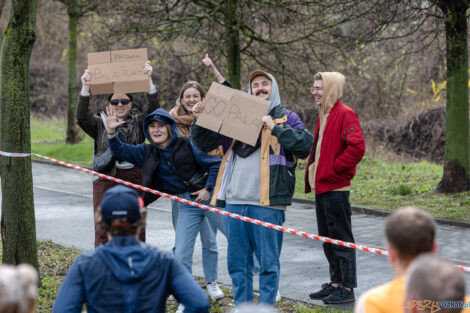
340 295
325 291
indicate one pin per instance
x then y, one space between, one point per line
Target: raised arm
210 65
126 152
152 96
87 121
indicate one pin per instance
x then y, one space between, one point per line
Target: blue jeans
244 239
188 221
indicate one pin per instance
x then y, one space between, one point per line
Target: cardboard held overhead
118 71
233 113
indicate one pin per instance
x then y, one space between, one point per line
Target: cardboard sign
118 71
233 113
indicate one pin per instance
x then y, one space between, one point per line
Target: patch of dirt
418 137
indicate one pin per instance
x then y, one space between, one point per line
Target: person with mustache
257 182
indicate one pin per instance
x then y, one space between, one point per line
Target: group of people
197 164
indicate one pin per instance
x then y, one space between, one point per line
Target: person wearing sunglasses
130 131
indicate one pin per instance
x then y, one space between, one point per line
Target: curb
53 163
381 213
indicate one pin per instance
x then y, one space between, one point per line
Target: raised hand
208 62
147 70
210 65
198 108
86 78
111 119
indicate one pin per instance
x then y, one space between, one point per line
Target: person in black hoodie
126 275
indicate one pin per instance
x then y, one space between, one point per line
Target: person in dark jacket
337 149
257 182
130 131
126 275
174 165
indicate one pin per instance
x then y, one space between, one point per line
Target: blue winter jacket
126 275
166 173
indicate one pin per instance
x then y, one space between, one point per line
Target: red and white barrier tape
15 155
236 216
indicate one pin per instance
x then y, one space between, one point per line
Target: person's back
434 285
410 232
126 275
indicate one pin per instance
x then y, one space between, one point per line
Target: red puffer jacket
342 149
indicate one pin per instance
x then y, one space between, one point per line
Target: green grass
388 186
48 139
380 185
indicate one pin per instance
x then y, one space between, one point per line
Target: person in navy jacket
125 274
171 163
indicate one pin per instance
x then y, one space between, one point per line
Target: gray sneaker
324 292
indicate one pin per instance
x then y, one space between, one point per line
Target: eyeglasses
123 101
312 89
195 96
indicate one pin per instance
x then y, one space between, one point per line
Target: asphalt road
63 205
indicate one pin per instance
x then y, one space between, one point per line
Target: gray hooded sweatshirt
244 179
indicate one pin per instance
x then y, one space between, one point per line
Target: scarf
183 120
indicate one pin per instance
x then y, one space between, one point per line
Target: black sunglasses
123 101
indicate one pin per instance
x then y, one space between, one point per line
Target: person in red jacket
337 148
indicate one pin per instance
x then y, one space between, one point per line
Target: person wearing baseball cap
257 182
125 274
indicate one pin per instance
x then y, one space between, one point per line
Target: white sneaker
278 296
180 309
214 291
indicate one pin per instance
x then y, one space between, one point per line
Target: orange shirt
388 298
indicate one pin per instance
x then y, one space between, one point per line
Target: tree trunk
72 134
18 226
232 43
456 176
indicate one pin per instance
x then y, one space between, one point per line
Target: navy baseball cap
121 202
159 118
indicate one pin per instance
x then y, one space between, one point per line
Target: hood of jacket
127 258
274 98
162 113
333 83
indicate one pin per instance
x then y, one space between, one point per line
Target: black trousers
334 221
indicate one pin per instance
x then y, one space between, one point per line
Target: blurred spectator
410 232
433 285
18 288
